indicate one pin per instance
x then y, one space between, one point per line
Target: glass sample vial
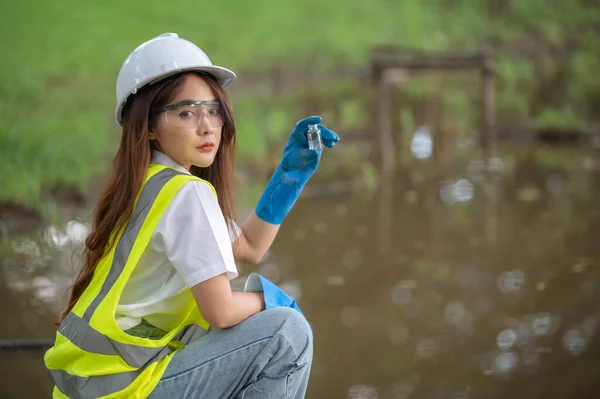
314 138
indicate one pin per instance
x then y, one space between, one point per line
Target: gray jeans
269 355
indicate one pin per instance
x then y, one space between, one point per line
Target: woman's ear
151 133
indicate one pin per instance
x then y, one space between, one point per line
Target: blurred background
446 248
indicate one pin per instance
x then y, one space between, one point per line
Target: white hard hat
158 58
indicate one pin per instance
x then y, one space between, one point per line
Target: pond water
418 285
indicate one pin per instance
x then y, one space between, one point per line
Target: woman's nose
204 127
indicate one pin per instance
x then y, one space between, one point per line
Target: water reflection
398 335
440 314
460 190
293 289
506 339
574 341
350 316
402 389
74 233
542 324
402 293
270 271
43 266
505 363
352 258
426 348
422 143
511 281
476 169
335 280
363 392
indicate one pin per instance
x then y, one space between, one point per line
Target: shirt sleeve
234 231
194 236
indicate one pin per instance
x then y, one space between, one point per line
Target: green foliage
60 61
563 118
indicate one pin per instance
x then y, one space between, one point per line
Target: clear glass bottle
314 138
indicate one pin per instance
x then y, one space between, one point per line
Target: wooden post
488 144
386 211
388 152
384 124
488 131
436 175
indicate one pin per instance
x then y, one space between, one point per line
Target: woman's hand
297 166
297 155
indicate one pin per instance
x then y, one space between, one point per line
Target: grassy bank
60 60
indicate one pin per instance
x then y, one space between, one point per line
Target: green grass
60 60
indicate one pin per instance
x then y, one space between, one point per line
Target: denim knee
294 327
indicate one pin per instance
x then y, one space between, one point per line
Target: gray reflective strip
94 386
123 249
81 334
190 333
86 338
91 387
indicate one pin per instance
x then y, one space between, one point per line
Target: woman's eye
186 114
213 111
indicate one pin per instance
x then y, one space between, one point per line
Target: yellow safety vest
92 357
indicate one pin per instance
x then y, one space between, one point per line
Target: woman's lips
208 147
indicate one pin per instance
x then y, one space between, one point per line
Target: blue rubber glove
297 166
274 296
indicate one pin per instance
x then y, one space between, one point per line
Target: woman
152 313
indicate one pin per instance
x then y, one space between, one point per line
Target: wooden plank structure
388 68
387 65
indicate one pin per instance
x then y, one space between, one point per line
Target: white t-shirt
191 244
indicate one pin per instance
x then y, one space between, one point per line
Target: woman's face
190 133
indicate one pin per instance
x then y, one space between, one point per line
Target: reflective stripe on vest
78 331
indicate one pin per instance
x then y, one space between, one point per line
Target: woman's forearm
245 304
221 307
255 240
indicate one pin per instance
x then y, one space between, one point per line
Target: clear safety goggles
189 114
